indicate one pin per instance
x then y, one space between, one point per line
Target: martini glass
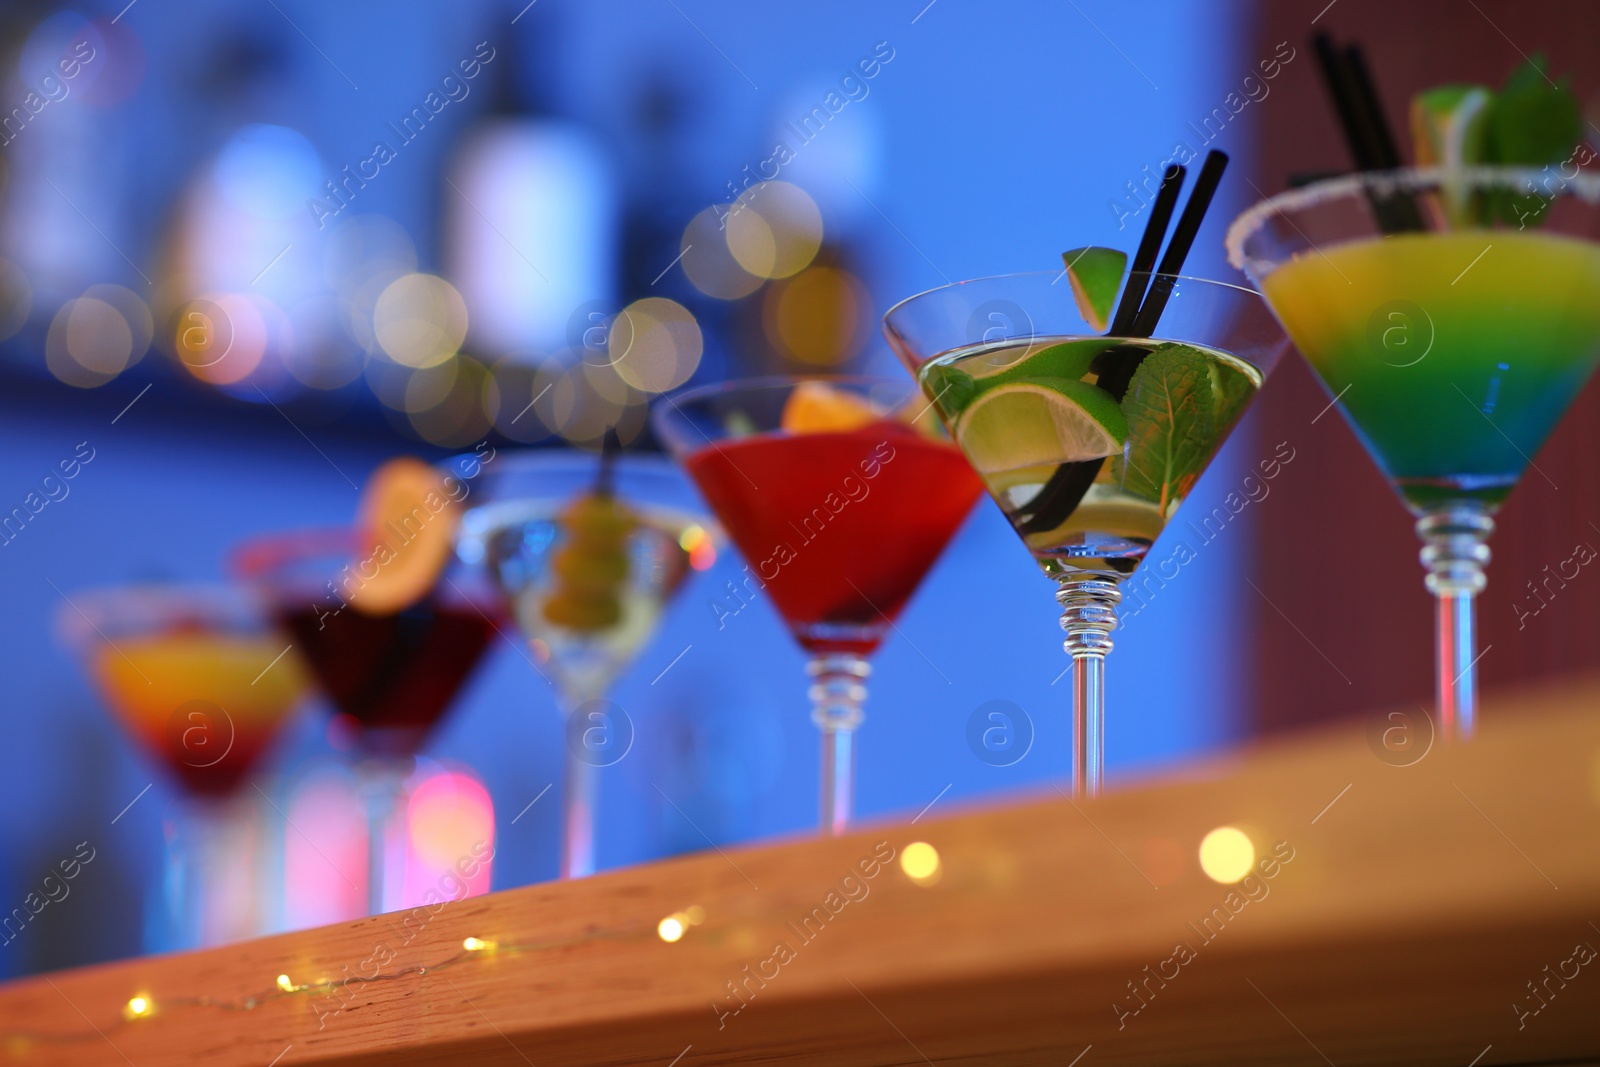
390 677
1088 442
589 562
838 527
196 673
1452 351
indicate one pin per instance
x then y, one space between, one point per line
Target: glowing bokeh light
1226 855
89 343
774 229
64 37
388 382
655 344
324 802
135 312
698 543
420 320
577 410
671 928
430 387
321 358
821 316
708 264
920 862
447 814
509 397
222 338
458 417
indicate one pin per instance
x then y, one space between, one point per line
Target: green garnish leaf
1171 407
1533 123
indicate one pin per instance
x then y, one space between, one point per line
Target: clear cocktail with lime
1089 444
1088 437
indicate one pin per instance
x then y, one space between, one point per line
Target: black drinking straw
1336 78
1366 131
605 477
1366 95
1065 489
1144 259
1183 235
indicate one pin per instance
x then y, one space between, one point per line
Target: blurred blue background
996 136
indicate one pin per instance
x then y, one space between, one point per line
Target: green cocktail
1453 354
1452 349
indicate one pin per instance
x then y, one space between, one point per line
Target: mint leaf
1233 390
1532 123
1171 408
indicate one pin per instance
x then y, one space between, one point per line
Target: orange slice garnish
405 534
817 407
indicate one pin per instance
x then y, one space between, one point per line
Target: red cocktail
839 527
841 493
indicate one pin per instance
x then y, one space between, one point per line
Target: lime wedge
1450 125
1450 128
1031 422
1095 274
1067 361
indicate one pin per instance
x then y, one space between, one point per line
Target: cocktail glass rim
1385 182
775 381
1015 275
530 459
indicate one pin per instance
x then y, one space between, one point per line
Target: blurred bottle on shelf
530 208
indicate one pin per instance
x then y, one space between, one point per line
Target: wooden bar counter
1405 904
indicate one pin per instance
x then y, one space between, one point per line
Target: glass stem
1088 602
210 878
838 691
580 790
383 785
191 829
1455 552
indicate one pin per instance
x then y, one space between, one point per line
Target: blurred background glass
249 251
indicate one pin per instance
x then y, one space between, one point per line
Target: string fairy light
141 1007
